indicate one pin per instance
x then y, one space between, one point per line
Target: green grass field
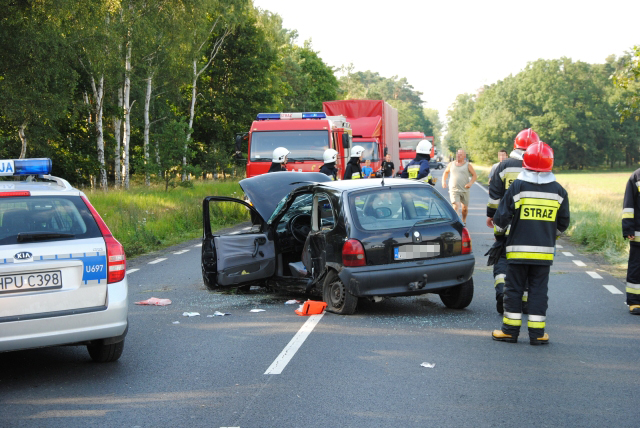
144 218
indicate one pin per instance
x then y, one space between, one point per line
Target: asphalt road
361 370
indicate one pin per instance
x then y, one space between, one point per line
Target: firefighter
279 160
353 170
418 168
505 173
329 168
631 223
535 208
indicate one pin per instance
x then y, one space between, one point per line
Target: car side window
323 217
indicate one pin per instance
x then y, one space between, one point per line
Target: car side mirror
386 151
345 141
238 142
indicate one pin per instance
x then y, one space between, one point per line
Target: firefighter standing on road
418 168
505 173
330 157
631 224
279 160
536 207
353 170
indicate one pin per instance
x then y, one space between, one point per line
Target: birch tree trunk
126 137
192 112
98 94
117 127
23 140
147 126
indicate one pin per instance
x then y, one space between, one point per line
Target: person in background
418 168
353 170
462 178
330 157
631 224
502 155
279 160
388 169
366 169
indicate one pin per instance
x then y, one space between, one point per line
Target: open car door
239 258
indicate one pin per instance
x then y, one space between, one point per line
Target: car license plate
48 280
423 251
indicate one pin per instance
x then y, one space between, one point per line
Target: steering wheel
299 226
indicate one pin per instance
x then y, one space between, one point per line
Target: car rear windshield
398 207
45 218
303 145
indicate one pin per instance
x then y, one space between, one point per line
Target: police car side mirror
345 141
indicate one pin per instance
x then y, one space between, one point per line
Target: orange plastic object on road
154 301
311 307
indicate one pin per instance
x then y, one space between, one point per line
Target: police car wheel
458 297
106 353
335 294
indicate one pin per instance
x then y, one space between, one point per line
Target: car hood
266 190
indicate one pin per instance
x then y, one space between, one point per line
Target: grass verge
145 219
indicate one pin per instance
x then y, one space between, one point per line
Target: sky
446 48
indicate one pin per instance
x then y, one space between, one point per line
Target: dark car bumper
403 279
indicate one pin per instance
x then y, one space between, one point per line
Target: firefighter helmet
424 147
357 151
280 154
329 156
538 157
525 138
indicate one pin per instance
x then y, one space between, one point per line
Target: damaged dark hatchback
344 239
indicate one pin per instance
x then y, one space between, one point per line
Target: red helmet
538 157
525 138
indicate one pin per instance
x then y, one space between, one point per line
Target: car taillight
116 258
466 241
13 194
353 254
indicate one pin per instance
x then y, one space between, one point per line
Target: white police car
62 274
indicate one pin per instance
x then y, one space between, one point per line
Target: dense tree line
571 104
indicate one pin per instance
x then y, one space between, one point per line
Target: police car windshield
25 219
303 145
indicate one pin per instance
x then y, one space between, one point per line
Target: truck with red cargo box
408 143
375 127
305 135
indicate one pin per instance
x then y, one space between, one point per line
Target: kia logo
24 255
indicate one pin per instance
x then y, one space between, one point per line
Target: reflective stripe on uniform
627 213
636 237
530 249
536 324
512 321
413 171
538 195
633 288
537 201
530 256
513 315
497 230
355 176
493 203
638 185
499 279
512 170
525 297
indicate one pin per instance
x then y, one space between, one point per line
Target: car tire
102 353
335 294
458 297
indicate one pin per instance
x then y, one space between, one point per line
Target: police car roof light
13 167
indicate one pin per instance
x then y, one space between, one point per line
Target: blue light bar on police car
284 116
41 166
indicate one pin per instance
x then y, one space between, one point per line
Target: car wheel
458 297
335 294
106 353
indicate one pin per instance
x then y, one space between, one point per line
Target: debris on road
176 322
311 307
191 314
428 365
257 310
217 314
291 302
154 301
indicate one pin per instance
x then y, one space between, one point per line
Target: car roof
348 185
53 186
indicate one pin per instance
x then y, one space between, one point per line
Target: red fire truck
305 135
408 143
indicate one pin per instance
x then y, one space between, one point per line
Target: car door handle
257 242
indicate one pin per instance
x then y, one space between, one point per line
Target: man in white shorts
462 178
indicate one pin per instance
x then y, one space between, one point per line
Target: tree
628 77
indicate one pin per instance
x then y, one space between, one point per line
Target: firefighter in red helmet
536 210
505 173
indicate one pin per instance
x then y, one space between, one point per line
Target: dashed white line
568 254
198 245
132 271
579 263
613 289
482 187
558 246
290 350
594 275
182 252
161 259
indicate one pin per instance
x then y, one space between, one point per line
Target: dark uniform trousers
537 277
633 274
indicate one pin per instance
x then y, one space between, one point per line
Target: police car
62 274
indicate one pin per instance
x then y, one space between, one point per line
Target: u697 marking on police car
49 280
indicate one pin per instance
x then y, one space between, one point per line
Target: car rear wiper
41 236
421 221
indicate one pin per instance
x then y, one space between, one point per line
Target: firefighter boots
544 340
634 309
502 337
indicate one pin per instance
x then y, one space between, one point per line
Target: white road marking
161 259
612 289
132 271
568 254
290 350
558 246
182 252
198 245
579 263
594 275
246 228
482 187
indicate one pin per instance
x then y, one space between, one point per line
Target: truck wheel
458 297
337 297
106 353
